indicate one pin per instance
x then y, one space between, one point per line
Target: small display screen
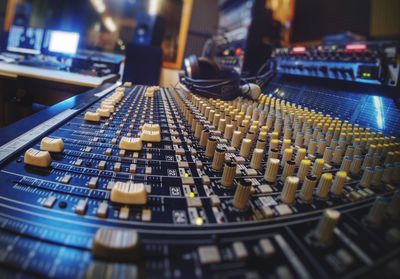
63 42
25 39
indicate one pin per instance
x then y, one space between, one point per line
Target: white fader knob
116 244
134 144
92 116
37 158
52 144
129 193
324 231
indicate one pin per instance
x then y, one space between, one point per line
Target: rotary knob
324 231
289 189
242 194
228 174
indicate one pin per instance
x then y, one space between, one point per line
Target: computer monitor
61 42
27 40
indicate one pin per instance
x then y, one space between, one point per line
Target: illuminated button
134 144
92 116
103 112
150 136
116 244
129 193
37 158
52 144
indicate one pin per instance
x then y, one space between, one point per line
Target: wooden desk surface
15 71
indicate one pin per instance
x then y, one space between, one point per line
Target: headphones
203 76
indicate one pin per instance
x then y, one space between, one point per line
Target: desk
14 71
21 86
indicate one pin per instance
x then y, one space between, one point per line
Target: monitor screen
25 39
63 42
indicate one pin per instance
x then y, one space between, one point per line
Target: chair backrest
143 64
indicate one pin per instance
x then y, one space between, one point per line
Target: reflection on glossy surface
378 111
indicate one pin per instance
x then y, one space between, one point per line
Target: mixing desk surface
135 181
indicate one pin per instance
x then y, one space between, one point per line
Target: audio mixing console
152 182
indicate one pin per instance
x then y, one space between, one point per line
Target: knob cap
300 155
324 231
245 148
318 167
287 155
219 158
210 147
338 182
308 187
324 185
303 169
288 169
205 133
272 170
289 189
256 159
367 176
236 139
228 174
242 194
394 206
377 211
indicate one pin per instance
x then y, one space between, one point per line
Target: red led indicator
356 47
299 49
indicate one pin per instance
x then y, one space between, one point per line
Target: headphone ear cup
208 69
191 68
